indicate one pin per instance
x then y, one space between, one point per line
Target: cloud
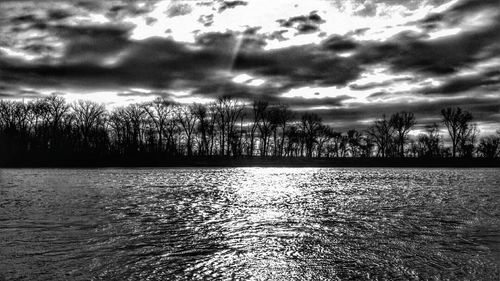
8 91
267 91
303 65
179 10
339 43
303 24
206 20
440 56
230 5
417 51
368 9
464 83
467 6
161 62
343 118
58 14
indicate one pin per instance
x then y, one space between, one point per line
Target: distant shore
220 161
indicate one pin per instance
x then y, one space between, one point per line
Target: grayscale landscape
250 140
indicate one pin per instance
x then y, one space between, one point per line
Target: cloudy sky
348 60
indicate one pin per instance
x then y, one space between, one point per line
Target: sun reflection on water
250 224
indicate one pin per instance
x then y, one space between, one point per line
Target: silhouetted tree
468 140
489 146
311 124
187 119
159 112
265 127
428 143
258 107
458 124
354 142
55 109
89 121
402 122
50 128
325 134
200 111
229 111
382 134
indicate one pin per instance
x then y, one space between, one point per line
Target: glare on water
249 224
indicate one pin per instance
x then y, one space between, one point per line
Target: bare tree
265 127
429 142
187 120
88 117
402 122
229 111
458 124
325 134
311 123
132 119
49 125
56 109
489 146
354 141
284 116
200 111
159 111
382 133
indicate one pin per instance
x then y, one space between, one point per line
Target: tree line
227 127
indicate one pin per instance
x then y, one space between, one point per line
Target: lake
250 224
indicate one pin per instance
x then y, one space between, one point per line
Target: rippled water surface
250 224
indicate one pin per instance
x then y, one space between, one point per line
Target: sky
350 61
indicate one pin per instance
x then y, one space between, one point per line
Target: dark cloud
8 91
158 62
369 9
271 94
93 43
303 24
93 30
166 64
117 10
179 10
438 56
28 18
39 48
58 14
473 5
307 28
465 83
379 84
277 35
411 51
378 95
90 5
339 43
206 20
299 66
455 15
312 18
343 118
231 4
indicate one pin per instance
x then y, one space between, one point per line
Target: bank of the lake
155 160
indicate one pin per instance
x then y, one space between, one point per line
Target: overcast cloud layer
349 61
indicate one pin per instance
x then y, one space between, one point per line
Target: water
250 224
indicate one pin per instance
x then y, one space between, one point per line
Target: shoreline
220 161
